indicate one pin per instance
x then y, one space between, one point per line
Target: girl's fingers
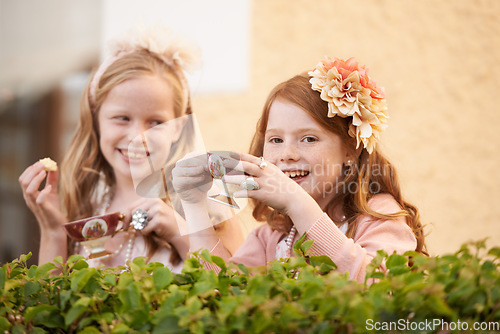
33 186
52 178
29 173
249 158
193 159
40 200
191 171
234 179
246 168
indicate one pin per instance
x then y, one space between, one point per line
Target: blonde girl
139 87
314 168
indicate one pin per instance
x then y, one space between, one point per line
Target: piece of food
50 165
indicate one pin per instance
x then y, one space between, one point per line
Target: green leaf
168 324
19 329
376 275
317 261
81 278
243 269
205 256
3 278
124 280
110 279
35 310
162 277
440 307
495 251
90 330
38 330
32 270
220 262
130 297
31 288
121 329
297 247
42 271
79 265
25 257
49 316
193 304
74 313
4 324
306 245
395 260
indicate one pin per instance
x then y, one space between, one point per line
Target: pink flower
350 92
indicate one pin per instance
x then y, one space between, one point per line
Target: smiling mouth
296 175
133 155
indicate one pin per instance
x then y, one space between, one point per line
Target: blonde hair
84 164
361 174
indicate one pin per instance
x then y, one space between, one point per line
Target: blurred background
438 62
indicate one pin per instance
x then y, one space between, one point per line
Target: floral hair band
350 92
177 53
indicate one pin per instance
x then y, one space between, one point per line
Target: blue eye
123 118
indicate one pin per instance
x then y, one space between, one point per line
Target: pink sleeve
252 253
372 234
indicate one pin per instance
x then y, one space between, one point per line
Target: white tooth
287 174
300 173
293 174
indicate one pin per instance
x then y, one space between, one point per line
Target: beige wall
438 62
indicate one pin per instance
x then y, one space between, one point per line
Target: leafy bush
148 298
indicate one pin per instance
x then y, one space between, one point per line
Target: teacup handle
121 227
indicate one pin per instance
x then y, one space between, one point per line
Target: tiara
177 53
350 92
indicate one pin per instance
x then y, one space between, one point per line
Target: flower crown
350 92
177 53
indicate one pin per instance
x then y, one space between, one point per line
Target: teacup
93 232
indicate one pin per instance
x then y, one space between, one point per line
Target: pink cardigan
350 255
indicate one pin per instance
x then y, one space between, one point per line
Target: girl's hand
45 203
275 188
191 178
162 218
163 223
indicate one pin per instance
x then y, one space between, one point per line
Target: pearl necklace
289 239
130 245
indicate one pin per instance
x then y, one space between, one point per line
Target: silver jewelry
249 184
139 219
262 163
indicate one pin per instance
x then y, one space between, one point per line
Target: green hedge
456 290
